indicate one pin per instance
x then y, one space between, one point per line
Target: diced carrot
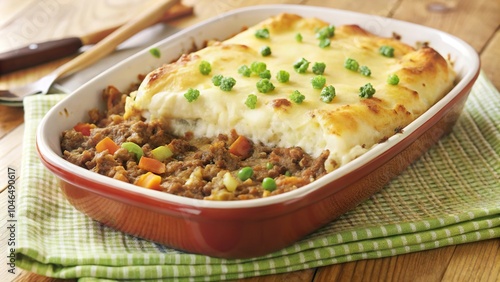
107 144
83 128
241 147
152 165
149 180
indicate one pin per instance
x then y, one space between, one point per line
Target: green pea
205 67
265 51
258 67
244 70
262 33
251 101
245 173
387 51
297 97
366 91
265 74
318 68
227 83
264 85
269 184
192 94
216 79
298 37
318 82
283 76
364 70
325 42
393 79
351 64
155 52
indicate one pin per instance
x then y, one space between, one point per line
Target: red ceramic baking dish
242 229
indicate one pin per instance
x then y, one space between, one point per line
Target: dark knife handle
38 53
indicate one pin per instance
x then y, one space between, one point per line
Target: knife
43 52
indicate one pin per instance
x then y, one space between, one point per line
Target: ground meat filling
197 167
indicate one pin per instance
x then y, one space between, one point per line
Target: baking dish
242 229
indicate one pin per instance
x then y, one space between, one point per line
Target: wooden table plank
10 118
475 262
205 9
490 59
397 268
475 22
375 7
41 19
12 150
472 21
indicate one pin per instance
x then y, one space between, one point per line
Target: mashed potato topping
347 126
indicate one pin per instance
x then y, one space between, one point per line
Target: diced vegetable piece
155 52
251 101
227 83
297 97
283 76
264 85
133 148
386 51
195 177
324 42
366 91
149 180
325 32
162 153
393 79
205 68
318 81
327 94
192 94
258 67
216 79
262 33
265 74
244 70
83 128
229 182
152 165
364 70
241 147
269 184
351 64
318 68
245 173
265 51
298 37
301 65
107 144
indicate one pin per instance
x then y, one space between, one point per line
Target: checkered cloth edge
450 196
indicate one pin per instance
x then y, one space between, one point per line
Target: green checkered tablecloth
450 196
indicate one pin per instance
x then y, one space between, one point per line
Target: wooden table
477 22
